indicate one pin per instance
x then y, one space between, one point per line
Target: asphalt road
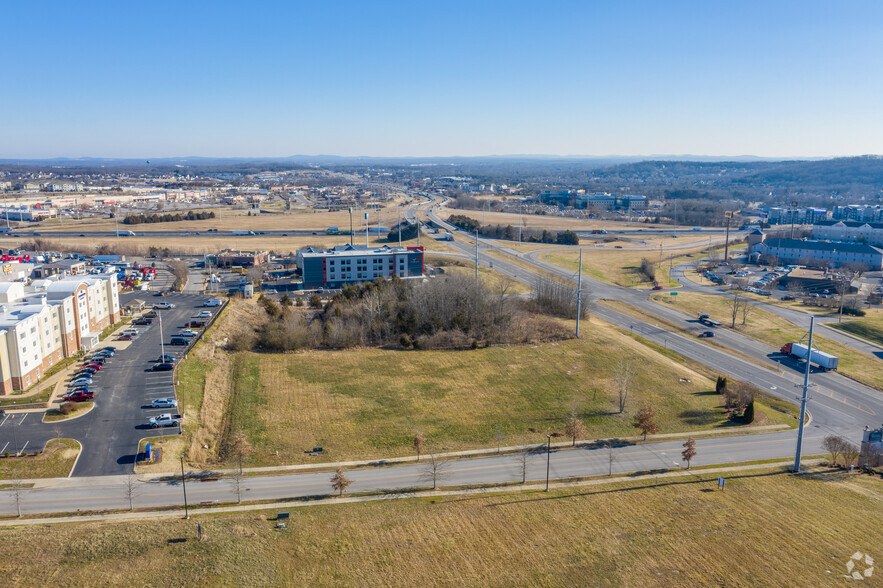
124 388
110 492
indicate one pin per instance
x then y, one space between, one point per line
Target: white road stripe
23 447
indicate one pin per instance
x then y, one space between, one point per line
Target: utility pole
803 400
351 225
366 230
729 216
476 255
400 227
548 459
184 485
579 291
793 204
162 348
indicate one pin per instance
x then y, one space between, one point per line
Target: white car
81 382
212 302
204 314
164 403
163 306
187 333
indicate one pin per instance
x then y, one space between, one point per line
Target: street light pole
476 255
579 291
548 459
804 399
727 238
184 485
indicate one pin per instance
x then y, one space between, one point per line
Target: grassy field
869 327
623 266
776 331
492 279
766 529
55 462
369 403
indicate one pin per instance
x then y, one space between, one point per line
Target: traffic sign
672 293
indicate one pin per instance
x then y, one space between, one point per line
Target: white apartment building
850 232
49 320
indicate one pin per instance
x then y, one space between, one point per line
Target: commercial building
229 257
797 216
850 232
64 267
818 253
348 264
49 320
866 213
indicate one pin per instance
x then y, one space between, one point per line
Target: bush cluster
137 219
510 233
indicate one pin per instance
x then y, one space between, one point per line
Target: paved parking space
124 390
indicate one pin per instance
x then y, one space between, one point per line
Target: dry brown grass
56 461
766 529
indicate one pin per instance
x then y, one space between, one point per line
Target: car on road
163 367
787 298
166 358
706 334
81 381
187 333
203 314
657 287
79 396
212 302
164 403
163 306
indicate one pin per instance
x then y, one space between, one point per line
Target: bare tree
418 444
17 491
736 305
689 451
646 421
524 460
435 470
180 270
339 481
851 453
575 428
611 457
842 285
131 486
834 444
623 374
746 309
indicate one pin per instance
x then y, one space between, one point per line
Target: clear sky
419 78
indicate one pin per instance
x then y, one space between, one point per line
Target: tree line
508 232
137 219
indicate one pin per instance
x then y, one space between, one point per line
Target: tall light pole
579 291
548 459
729 215
804 398
476 255
162 348
184 485
793 205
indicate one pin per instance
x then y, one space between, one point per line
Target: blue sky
152 79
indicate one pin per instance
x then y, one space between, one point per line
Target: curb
856 337
176 512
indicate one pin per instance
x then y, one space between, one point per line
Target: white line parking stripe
4 447
4 422
23 447
23 419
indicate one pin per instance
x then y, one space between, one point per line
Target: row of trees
137 219
510 233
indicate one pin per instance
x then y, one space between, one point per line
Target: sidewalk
287 506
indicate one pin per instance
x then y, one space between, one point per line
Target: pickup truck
166 420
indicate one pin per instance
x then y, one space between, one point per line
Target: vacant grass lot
869 327
766 529
623 266
776 331
369 403
55 461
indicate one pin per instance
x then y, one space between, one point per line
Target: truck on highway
824 360
166 420
449 237
241 233
705 319
125 233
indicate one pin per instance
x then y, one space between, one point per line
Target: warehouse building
349 264
49 320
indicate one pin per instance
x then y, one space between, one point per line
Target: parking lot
124 389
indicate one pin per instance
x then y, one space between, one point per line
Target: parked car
110 348
203 314
105 354
151 314
96 366
179 341
163 306
164 403
167 358
87 371
125 338
213 302
166 420
187 333
142 321
82 381
79 396
163 367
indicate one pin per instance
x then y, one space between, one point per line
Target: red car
125 338
657 287
96 366
79 396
